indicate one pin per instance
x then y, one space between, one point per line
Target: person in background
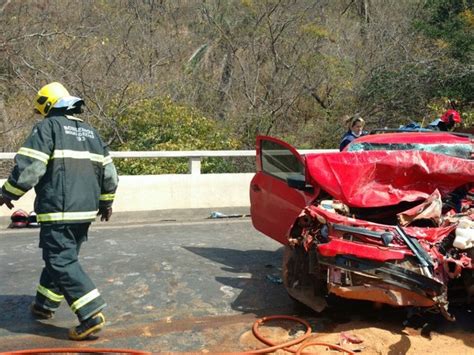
355 129
70 167
446 122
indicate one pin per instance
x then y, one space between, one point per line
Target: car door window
279 161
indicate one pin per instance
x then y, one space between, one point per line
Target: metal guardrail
194 156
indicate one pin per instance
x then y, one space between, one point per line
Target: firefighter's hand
105 213
6 201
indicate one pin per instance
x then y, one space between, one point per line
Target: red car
389 220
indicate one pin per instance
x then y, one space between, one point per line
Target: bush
159 124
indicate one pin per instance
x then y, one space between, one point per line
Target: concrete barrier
172 192
160 192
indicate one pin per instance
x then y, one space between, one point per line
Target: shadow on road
258 277
15 317
262 296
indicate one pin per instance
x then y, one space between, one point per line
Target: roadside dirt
381 331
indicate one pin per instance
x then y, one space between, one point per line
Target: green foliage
409 89
291 69
451 23
160 124
468 118
398 90
315 30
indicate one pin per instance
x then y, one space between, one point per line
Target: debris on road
217 214
275 279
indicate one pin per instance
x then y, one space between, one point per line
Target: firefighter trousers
62 276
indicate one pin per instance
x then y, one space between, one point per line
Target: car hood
385 178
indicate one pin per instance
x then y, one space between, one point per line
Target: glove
105 213
6 201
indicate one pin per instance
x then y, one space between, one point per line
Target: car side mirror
298 182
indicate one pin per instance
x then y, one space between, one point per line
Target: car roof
422 137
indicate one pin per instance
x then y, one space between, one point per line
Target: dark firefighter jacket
70 167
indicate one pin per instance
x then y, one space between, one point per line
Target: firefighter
69 166
447 121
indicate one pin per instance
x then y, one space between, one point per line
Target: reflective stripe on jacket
69 166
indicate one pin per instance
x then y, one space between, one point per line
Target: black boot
87 327
40 312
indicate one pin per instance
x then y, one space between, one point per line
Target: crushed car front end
357 259
390 227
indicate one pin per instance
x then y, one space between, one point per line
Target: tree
288 68
436 68
451 23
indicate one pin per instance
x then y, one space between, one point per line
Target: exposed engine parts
409 265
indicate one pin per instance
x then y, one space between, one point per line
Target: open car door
278 191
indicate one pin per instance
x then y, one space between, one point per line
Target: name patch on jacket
80 132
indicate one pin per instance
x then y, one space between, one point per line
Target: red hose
76 350
284 345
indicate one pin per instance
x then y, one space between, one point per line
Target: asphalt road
197 286
170 286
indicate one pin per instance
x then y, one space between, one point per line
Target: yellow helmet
47 96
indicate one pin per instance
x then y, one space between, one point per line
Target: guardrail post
195 165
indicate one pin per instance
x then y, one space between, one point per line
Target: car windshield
463 151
